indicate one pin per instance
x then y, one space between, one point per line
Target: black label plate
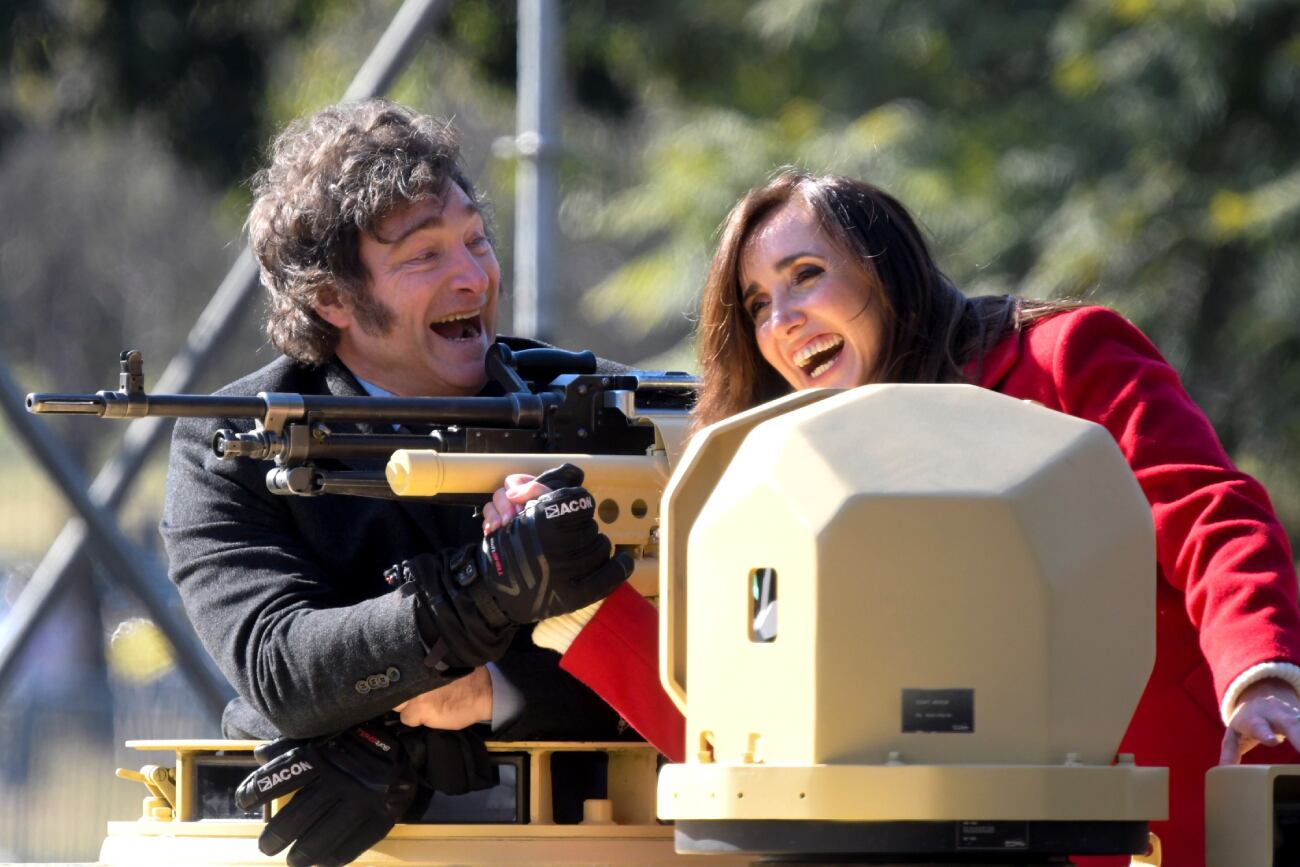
939 710
1001 836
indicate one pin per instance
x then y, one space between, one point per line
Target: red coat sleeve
1217 537
617 655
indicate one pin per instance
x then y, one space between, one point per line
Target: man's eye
478 242
425 256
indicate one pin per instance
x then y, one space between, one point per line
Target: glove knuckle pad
276 778
567 506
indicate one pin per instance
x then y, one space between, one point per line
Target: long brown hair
932 331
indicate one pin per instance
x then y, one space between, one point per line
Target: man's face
435 274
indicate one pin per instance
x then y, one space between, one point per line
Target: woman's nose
787 314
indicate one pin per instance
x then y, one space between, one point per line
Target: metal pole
535 184
386 61
132 567
390 54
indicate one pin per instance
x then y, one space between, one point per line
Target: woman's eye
807 272
425 256
478 242
756 307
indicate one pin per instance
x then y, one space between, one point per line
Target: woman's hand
508 500
1268 712
458 705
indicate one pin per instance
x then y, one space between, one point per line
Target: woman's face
816 318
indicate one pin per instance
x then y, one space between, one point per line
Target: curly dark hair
333 176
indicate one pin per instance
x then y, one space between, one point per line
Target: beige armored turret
966 606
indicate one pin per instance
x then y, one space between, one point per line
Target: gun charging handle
259 444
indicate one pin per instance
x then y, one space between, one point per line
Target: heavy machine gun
552 406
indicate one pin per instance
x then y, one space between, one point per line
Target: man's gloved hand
351 789
551 559
455 762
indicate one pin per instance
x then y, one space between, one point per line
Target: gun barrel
120 404
427 473
192 405
78 404
526 410
512 410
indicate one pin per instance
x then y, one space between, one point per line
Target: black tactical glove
455 762
549 560
351 789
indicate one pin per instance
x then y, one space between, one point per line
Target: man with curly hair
378 256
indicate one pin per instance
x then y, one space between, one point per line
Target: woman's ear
330 307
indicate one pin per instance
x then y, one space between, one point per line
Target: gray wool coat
288 596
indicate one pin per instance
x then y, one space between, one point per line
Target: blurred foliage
198 73
138 652
1138 153
103 239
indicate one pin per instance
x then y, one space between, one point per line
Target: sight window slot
762 605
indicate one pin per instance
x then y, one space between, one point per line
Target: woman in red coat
826 281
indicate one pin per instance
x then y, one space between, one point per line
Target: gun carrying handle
706 458
510 368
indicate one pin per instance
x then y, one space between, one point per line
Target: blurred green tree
1140 153
1137 153
196 73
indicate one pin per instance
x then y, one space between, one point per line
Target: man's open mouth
459 326
817 357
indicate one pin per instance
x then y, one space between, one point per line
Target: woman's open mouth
459 326
819 355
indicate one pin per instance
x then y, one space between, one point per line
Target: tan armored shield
965 588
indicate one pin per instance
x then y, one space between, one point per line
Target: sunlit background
1140 153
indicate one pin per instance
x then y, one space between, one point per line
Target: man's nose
471 272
